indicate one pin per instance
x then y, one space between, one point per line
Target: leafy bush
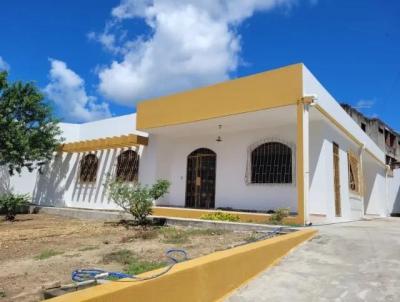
160 188
221 216
279 215
136 199
10 203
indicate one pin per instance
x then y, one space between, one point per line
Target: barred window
354 173
88 168
271 163
128 166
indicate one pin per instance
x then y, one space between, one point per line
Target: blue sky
95 59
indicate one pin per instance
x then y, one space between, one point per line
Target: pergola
104 143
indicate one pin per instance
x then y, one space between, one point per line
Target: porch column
303 158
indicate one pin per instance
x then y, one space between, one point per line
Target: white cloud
192 43
365 104
3 64
67 90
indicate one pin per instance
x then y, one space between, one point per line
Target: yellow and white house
272 140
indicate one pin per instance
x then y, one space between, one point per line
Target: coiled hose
94 274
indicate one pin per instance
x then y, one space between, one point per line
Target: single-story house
272 140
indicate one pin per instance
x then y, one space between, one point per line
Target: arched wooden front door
200 179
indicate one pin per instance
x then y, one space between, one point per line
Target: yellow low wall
196 214
207 278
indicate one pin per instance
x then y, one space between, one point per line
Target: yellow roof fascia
271 89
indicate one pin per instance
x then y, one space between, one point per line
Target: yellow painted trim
271 89
197 213
300 163
105 143
346 132
204 279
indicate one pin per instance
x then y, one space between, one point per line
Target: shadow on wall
94 194
5 180
51 183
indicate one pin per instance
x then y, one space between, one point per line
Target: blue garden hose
83 275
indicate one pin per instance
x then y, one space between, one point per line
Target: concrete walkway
357 261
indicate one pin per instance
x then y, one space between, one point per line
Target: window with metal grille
271 163
88 168
354 173
128 166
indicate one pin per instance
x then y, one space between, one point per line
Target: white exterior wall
59 184
231 188
375 193
322 194
375 197
393 192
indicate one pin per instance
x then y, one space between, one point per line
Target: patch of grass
2 294
132 263
72 255
180 236
251 238
47 254
206 232
174 236
136 266
122 256
146 234
88 248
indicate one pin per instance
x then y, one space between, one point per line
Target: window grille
127 166
271 163
88 171
354 173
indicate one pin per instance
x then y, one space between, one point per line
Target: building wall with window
322 187
167 158
61 184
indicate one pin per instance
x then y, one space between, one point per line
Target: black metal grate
127 166
271 163
88 171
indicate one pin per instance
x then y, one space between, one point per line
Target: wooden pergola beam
105 143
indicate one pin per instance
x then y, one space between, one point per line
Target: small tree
10 204
28 132
135 198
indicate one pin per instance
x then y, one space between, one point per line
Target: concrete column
303 170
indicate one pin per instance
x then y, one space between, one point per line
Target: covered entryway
200 179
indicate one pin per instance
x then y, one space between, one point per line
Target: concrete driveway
357 261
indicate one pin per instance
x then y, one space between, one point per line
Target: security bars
271 163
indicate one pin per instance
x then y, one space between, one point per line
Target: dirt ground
40 249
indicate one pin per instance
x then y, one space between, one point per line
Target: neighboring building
256 143
385 137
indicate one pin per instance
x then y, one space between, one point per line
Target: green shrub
221 216
160 188
136 199
279 215
10 203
